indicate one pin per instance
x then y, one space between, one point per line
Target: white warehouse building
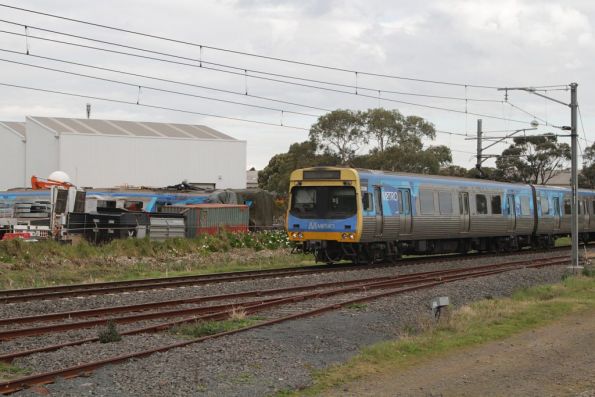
12 144
109 153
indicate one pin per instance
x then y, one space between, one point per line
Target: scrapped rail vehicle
367 216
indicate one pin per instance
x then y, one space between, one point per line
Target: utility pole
496 140
574 174
573 105
479 148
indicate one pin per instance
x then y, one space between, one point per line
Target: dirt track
555 360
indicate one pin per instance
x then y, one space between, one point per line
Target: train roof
438 178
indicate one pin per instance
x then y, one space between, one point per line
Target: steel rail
253 307
49 377
63 291
194 300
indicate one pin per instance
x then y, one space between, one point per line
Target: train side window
481 204
580 208
445 202
525 207
367 201
545 207
567 207
426 202
496 205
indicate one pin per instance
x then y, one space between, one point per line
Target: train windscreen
323 202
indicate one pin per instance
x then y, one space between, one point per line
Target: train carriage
365 215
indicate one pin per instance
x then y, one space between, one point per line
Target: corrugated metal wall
42 151
13 159
106 161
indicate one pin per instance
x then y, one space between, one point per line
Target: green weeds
9 371
109 334
480 322
204 328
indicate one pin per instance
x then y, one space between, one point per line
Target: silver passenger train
364 215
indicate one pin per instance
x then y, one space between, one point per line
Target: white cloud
509 42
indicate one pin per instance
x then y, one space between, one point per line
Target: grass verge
204 328
9 372
468 326
74 271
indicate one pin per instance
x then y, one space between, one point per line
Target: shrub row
19 250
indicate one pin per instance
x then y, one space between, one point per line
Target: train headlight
294 235
300 235
351 236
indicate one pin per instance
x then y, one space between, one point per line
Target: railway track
113 287
340 293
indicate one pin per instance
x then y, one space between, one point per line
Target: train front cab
324 211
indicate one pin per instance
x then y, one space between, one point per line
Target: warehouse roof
62 125
15 126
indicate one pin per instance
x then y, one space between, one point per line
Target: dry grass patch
470 325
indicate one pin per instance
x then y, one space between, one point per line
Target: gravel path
264 361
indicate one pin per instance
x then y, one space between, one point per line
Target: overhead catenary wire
327 89
144 76
271 58
583 126
242 69
150 106
154 88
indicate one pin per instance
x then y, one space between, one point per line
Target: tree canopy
535 159
377 139
340 133
586 178
275 176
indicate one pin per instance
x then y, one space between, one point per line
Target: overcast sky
495 43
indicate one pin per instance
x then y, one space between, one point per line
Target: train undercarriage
390 251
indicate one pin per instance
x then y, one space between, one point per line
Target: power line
151 106
203 46
243 70
276 80
583 126
528 113
168 80
156 88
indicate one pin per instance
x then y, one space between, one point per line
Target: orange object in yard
41 183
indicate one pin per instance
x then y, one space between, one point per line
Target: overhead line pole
574 173
479 147
573 105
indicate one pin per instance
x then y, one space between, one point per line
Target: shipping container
211 218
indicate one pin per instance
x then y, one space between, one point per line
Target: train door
586 215
556 213
379 211
511 213
591 205
405 217
464 212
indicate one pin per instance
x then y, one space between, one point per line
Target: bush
20 251
110 333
